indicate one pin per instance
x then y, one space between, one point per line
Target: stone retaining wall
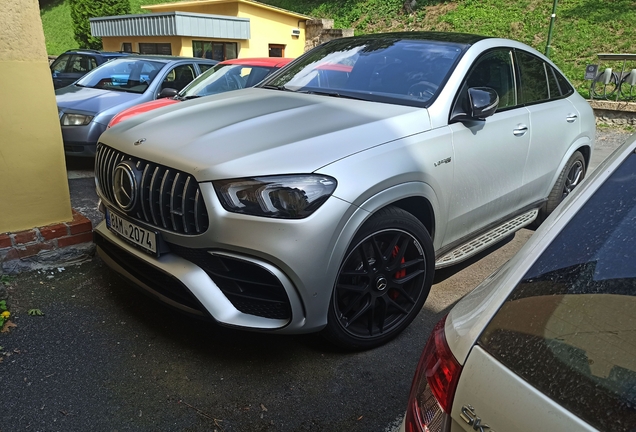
318 31
618 113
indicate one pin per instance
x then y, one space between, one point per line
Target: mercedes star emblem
125 186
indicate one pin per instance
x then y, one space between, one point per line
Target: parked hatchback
324 198
86 107
548 342
226 76
70 66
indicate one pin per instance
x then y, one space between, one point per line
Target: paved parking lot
106 358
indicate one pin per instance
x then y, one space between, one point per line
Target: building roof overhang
172 24
188 3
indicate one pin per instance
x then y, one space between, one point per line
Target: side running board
486 240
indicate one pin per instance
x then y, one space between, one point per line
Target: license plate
133 233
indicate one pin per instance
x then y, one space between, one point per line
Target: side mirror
168 92
482 102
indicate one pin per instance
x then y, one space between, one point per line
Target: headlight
75 119
286 197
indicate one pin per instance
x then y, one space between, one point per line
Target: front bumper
181 284
298 255
82 140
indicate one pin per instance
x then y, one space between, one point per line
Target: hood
90 100
141 108
257 131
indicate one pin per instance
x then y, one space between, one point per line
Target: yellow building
215 29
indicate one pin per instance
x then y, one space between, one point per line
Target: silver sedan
324 199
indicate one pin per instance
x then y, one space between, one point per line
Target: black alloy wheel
571 176
383 282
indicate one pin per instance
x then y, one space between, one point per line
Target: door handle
520 130
571 118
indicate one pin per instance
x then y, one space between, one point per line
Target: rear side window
204 66
539 80
569 327
534 85
564 85
82 64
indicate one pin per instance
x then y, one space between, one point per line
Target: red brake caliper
398 274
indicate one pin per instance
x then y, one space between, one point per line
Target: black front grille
162 283
168 198
251 288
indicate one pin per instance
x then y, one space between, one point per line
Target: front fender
371 206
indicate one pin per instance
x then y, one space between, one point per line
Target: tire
572 174
383 281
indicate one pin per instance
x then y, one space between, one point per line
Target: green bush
583 28
83 10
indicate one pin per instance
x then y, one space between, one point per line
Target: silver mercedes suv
324 199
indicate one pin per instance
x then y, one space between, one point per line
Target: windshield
400 71
225 77
129 75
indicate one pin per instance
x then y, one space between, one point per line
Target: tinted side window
569 327
59 65
534 85
558 85
179 77
564 85
553 86
204 66
80 64
494 70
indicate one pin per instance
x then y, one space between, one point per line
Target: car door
554 122
489 156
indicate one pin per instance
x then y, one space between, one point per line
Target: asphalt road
106 358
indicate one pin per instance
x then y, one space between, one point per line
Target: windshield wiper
273 87
332 94
182 98
119 89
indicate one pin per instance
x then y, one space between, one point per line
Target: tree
83 10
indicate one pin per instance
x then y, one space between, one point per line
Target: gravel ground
608 137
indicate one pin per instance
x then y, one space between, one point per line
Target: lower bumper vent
251 289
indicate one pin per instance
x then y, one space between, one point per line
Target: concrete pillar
33 185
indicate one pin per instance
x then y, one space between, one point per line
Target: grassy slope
583 27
